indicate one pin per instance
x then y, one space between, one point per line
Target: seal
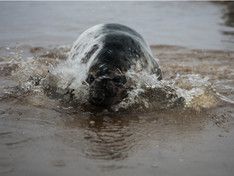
108 52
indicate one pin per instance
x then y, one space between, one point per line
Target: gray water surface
202 25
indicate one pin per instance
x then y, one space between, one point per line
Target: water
203 25
48 133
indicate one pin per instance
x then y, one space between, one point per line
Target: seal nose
97 99
101 91
97 94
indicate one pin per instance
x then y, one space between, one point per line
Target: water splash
197 91
66 80
186 91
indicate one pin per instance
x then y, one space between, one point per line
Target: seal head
108 52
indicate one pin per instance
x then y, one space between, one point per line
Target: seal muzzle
105 91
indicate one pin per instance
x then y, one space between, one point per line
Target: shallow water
41 135
203 25
44 135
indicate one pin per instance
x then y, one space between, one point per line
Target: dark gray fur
109 51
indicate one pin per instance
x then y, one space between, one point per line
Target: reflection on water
117 137
109 138
46 138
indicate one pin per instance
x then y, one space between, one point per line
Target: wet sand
41 137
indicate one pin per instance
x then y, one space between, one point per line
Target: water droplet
92 122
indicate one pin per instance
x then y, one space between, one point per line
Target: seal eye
120 79
90 79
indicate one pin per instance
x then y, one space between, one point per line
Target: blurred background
203 25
